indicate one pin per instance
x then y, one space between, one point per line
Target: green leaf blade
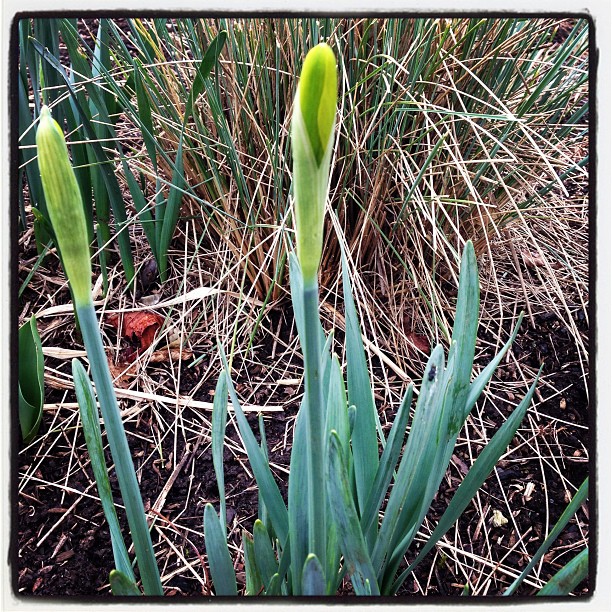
568 577
31 380
344 514
93 438
122 585
219 560
313 577
364 438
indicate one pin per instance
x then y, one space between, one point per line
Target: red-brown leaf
141 326
419 341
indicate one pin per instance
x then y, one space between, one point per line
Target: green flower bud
318 97
312 136
65 205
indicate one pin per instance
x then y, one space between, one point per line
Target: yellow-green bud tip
318 97
64 205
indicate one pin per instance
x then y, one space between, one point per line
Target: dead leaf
124 371
419 341
141 326
537 261
173 354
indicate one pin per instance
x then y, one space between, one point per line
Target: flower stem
124 467
317 537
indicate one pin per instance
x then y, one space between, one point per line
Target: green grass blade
263 475
206 65
27 153
142 208
110 180
568 513
144 113
93 438
219 423
364 439
120 450
568 577
171 212
219 560
344 515
102 62
478 473
313 578
121 585
417 181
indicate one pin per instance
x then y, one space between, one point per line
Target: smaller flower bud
65 205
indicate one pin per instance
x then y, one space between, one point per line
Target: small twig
161 499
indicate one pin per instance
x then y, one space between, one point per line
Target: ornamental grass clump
333 525
67 216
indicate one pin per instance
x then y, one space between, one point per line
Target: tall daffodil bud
65 205
312 131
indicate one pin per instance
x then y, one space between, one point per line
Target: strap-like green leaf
473 481
219 560
254 581
338 421
344 515
364 439
120 450
264 554
263 475
313 578
262 511
448 414
568 513
298 502
388 461
568 577
274 588
121 585
464 333
93 438
31 377
219 422
171 211
414 470
480 382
